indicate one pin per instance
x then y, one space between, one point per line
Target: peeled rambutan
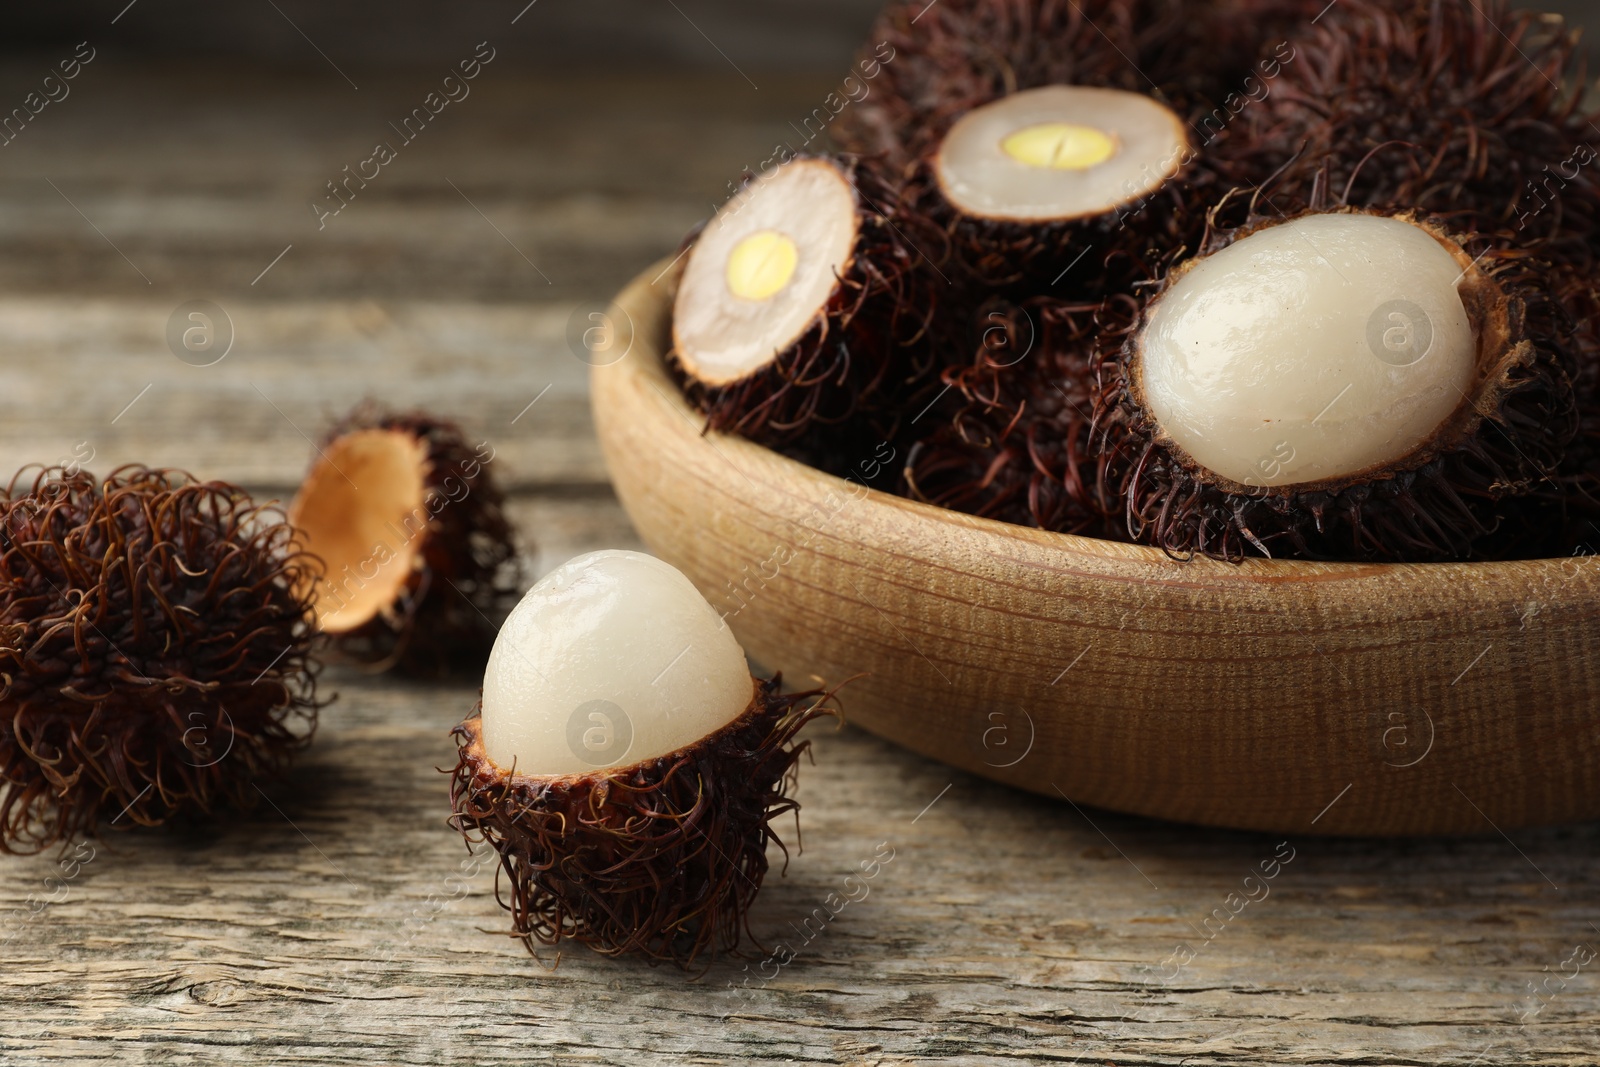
804 303
1340 384
625 765
420 560
155 651
1469 110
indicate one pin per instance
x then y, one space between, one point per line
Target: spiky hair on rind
869 347
1019 446
661 859
1438 502
155 651
1471 111
466 568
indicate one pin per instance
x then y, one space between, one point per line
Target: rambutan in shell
1442 501
466 568
661 859
155 651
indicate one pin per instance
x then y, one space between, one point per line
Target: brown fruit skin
1020 446
445 619
1445 501
155 651
855 370
661 859
1464 109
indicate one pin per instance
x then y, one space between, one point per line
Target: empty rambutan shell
625 766
155 651
420 560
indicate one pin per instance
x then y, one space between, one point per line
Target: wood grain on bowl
1282 695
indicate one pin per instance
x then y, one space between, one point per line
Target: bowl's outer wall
1276 695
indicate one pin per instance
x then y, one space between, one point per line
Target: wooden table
343 922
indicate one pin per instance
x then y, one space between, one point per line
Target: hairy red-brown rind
661 859
1019 446
445 618
155 651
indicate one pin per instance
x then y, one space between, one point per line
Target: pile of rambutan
1232 278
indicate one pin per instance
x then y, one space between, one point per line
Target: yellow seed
1059 146
761 265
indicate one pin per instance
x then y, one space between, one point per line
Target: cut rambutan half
800 304
925 66
155 651
1063 180
1340 385
421 562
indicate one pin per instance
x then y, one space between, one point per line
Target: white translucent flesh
721 336
1315 349
611 659
981 178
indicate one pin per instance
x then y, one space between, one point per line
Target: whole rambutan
155 651
421 563
1020 445
1464 109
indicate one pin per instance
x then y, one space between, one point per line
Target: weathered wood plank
96 379
340 927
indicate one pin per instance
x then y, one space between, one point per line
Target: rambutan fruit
155 651
1340 384
1046 180
625 765
801 305
1470 111
1463 109
1020 448
420 560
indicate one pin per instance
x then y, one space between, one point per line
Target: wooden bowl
1273 695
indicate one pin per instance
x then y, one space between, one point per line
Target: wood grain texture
1423 698
450 279
339 926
